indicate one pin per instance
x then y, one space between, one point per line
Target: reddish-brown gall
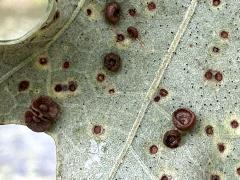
172 138
112 62
184 119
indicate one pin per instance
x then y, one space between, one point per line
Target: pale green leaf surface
173 51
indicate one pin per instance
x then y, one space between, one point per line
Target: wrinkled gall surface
111 126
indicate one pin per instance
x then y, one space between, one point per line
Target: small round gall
209 130
172 138
43 60
208 75
97 129
153 149
234 124
100 77
23 85
184 119
221 147
72 86
112 62
218 76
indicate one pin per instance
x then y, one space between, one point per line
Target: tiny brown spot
100 77
66 65
172 138
163 92
72 86
208 75
209 130
111 91
234 124
238 171
216 2
23 85
215 177
58 88
151 6
133 32
43 61
132 12
153 149
89 12
224 34
184 119
215 49
164 177
221 147
218 76
112 12
157 99
112 62
97 129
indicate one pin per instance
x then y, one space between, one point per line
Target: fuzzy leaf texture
179 41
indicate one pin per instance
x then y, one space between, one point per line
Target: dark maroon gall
133 32
215 177
172 138
132 12
23 85
46 107
209 130
112 12
183 119
218 76
208 75
153 149
112 62
163 92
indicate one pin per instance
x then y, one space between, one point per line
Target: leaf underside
173 52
